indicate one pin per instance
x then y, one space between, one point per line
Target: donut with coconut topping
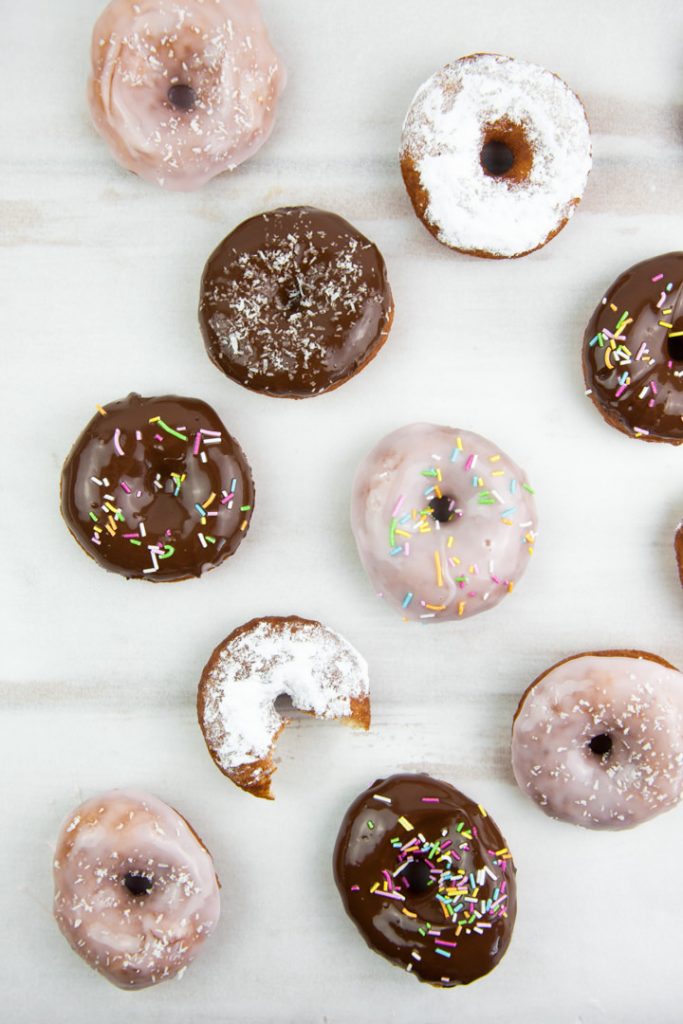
444 521
136 893
495 155
597 740
265 659
182 90
295 302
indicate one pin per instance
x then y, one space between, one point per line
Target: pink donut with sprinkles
444 521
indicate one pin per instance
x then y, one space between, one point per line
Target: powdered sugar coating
638 704
314 666
443 135
134 941
439 571
220 49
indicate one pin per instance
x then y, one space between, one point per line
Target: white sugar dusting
443 136
314 666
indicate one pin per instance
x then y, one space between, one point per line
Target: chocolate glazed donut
427 878
294 302
157 489
633 351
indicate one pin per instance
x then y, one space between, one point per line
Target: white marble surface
99 276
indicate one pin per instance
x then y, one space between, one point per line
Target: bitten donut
495 155
294 302
260 661
157 489
427 878
182 90
597 739
136 893
633 351
444 522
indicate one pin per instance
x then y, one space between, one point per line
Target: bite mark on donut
242 741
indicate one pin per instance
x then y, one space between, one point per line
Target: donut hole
289 298
675 343
182 97
505 152
497 158
442 509
600 745
138 884
417 877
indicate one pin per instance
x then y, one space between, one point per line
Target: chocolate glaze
133 512
294 302
364 849
641 392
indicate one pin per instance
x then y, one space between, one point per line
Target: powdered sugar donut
597 740
260 661
182 90
136 894
444 521
495 155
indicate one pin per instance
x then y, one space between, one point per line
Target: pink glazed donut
444 522
597 740
136 893
182 90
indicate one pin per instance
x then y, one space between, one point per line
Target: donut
597 740
182 90
294 302
258 662
633 351
444 522
427 878
157 489
136 893
495 155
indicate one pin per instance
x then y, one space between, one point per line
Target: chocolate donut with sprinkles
157 489
633 351
597 740
427 878
444 522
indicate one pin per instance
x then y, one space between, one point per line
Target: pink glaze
438 571
630 702
219 49
133 940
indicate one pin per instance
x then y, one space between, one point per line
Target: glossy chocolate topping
294 302
427 878
633 351
157 489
